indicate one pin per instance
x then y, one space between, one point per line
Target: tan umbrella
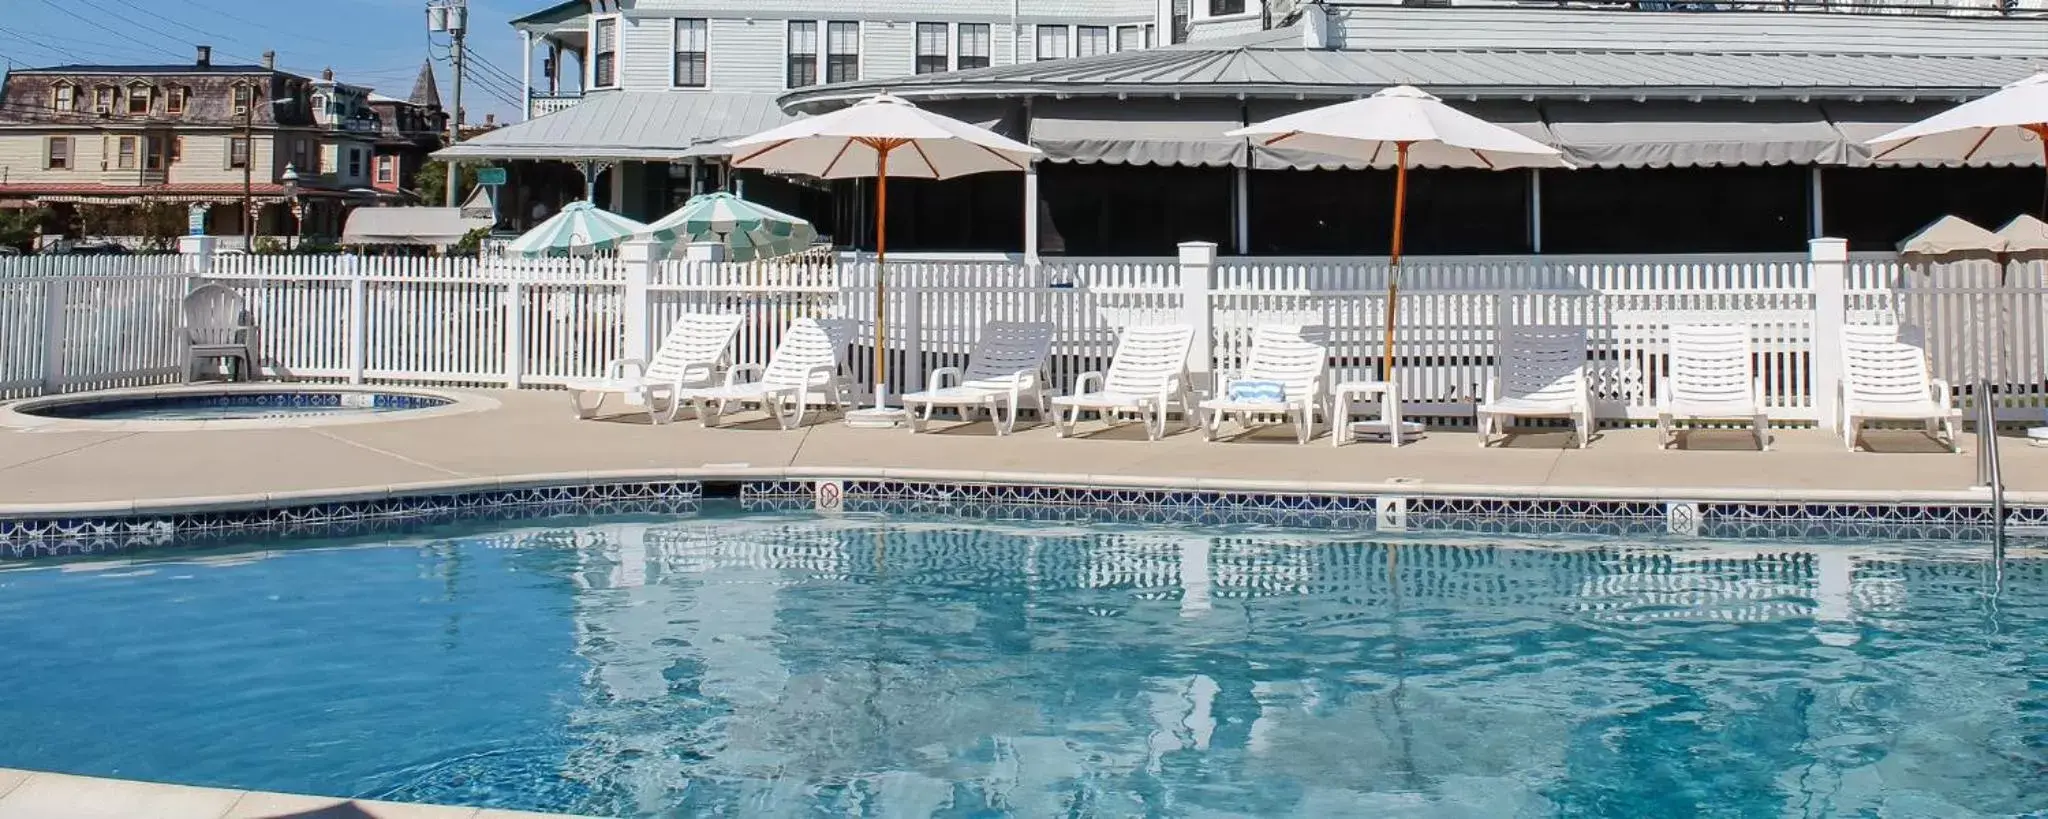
1950 235
2024 234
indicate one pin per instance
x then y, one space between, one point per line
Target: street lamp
291 198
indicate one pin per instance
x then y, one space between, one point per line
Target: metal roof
1267 68
640 125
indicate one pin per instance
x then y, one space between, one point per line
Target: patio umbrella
580 227
1398 127
881 136
748 230
2009 125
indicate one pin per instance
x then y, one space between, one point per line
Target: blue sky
378 43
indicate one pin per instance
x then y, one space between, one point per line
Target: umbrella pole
881 261
1394 259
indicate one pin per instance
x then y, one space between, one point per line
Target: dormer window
103 99
240 98
64 97
1219 8
139 99
174 99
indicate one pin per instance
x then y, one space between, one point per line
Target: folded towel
1261 391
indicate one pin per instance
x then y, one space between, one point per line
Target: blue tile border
31 537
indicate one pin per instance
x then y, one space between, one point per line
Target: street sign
490 177
195 220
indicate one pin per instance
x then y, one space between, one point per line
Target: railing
1917 8
71 323
542 105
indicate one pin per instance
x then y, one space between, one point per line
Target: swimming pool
773 663
237 405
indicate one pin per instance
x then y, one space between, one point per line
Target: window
803 53
57 154
299 158
64 97
238 152
1091 40
973 46
1129 38
842 52
125 153
355 162
241 99
138 99
1218 8
692 50
384 170
156 153
604 67
103 100
934 48
1052 42
174 100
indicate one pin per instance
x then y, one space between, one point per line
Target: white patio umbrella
881 136
2009 125
1396 128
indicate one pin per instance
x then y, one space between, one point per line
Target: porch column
1241 181
526 75
1031 215
1813 228
696 175
618 186
555 76
1535 210
589 181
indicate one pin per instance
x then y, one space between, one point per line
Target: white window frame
387 169
1205 10
50 153
817 51
248 151
127 153
825 54
180 93
618 25
950 39
675 43
1108 43
108 93
1037 44
148 96
64 96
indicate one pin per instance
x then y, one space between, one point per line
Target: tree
161 223
19 227
432 182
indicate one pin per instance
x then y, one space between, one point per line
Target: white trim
675 38
817 54
618 48
860 51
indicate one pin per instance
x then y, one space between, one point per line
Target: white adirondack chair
1886 379
1147 376
803 372
1290 355
1712 378
1007 367
1540 373
693 354
217 327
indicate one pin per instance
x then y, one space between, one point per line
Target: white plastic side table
1350 394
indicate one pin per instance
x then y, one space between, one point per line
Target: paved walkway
534 433
33 795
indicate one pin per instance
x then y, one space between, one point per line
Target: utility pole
452 16
249 171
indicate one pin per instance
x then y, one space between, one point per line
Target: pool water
772 664
238 406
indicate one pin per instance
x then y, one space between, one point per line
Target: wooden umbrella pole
1394 259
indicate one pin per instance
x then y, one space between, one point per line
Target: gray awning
1860 123
653 126
1138 132
1710 133
408 226
1520 117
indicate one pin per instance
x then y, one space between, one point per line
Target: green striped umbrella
580 227
748 230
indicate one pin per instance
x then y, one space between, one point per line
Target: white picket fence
76 323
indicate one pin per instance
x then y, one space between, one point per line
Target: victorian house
230 141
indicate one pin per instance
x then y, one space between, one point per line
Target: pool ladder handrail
1990 474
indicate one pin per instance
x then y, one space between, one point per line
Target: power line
107 29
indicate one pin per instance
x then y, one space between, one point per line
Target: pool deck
35 795
532 435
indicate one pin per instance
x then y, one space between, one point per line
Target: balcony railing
542 105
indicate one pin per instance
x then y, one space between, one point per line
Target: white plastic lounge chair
1712 378
1886 379
692 355
1007 367
1283 375
803 372
1540 373
217 327
1147 376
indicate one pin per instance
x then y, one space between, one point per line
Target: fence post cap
1828 250
191 245
1197 252
640 250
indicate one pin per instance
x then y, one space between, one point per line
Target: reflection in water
772 666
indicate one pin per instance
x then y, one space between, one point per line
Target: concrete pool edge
16 415
26 794
1683 508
